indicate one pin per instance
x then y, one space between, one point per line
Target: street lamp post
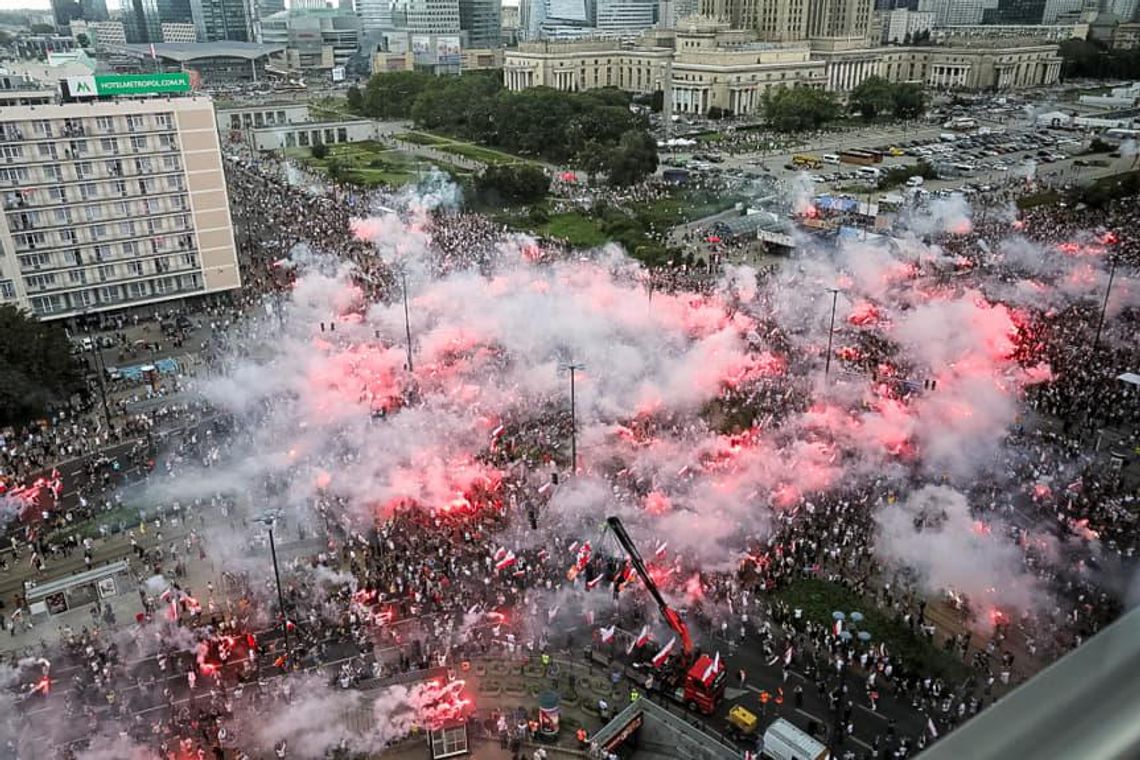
407 318
97 360
573 367
269 520
1104 306
831 330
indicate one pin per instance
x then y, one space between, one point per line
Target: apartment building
112 203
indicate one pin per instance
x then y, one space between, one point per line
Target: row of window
111 272
27 244
23 218
115 294
43 196
86 126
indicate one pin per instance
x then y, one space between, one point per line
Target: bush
319 151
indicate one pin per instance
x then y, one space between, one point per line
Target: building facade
482 21
433 16
624 17
901 25
112 204
179 33
313 39
709 65
218 20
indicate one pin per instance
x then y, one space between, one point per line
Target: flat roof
193 51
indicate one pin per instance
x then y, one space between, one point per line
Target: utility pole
1104 306
407 319
573 367
269 520
97 361
831 330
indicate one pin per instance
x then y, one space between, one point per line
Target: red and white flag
712 669
660 550
607 634
837 628
660 658
932 728
641 640
788 654
507 560
591 584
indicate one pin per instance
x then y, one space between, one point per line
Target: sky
20 5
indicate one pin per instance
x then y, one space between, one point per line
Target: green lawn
576 228
818 599
368 164
460 148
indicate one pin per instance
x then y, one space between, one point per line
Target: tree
909 100
319 151
390 95
633 159
37 368
82 40
514 183
43 29
355 99
799 108
871 97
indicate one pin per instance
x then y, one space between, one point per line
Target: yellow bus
805 161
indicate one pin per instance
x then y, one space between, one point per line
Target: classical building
706 64
112 203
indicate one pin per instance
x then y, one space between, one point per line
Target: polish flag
660 658
712 669
607 634
641 640
837 628
505 561
660 550
592 584
499 553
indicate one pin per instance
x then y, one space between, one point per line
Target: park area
370 164
474 152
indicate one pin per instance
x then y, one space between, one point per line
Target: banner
127 84
447 51
421 49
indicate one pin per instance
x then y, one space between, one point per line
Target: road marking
806 714
869 711
860 742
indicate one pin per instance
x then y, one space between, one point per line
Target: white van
869 172
783 740
831 158
915 181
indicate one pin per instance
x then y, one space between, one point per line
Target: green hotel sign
127 84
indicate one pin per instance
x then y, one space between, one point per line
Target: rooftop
193 51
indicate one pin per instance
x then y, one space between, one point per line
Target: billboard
127 84
421 49
447 51
338 73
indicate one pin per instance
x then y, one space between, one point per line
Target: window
135 123
67 235
126 229
102 252
57 193
119 186
82 298
83 170
12 151
164 120
134 268
235 121
166 142
7 290
109 145
143 166
40 281
174 182
43 127
105 123
189 259
138 142
170 163
53 173
47 150
14 176
48 304
33 260
106 272
144 186
88 190
99 231
137 290
152 206
130 248
77 276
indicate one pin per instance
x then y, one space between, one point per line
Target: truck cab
703 686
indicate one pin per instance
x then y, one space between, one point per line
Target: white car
817 179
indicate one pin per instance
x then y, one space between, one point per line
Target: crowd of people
430 589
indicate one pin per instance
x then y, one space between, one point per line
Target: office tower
433 16
482 20
624 16
222 20
375 15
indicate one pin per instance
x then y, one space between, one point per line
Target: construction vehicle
742 723
695 680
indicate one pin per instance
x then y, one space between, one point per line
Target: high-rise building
66 11
112 204
433 16
624 16
482 20
1015 12
839 18
143 19
375 15
532 15
793 20
222 20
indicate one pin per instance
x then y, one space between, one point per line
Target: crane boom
672 617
